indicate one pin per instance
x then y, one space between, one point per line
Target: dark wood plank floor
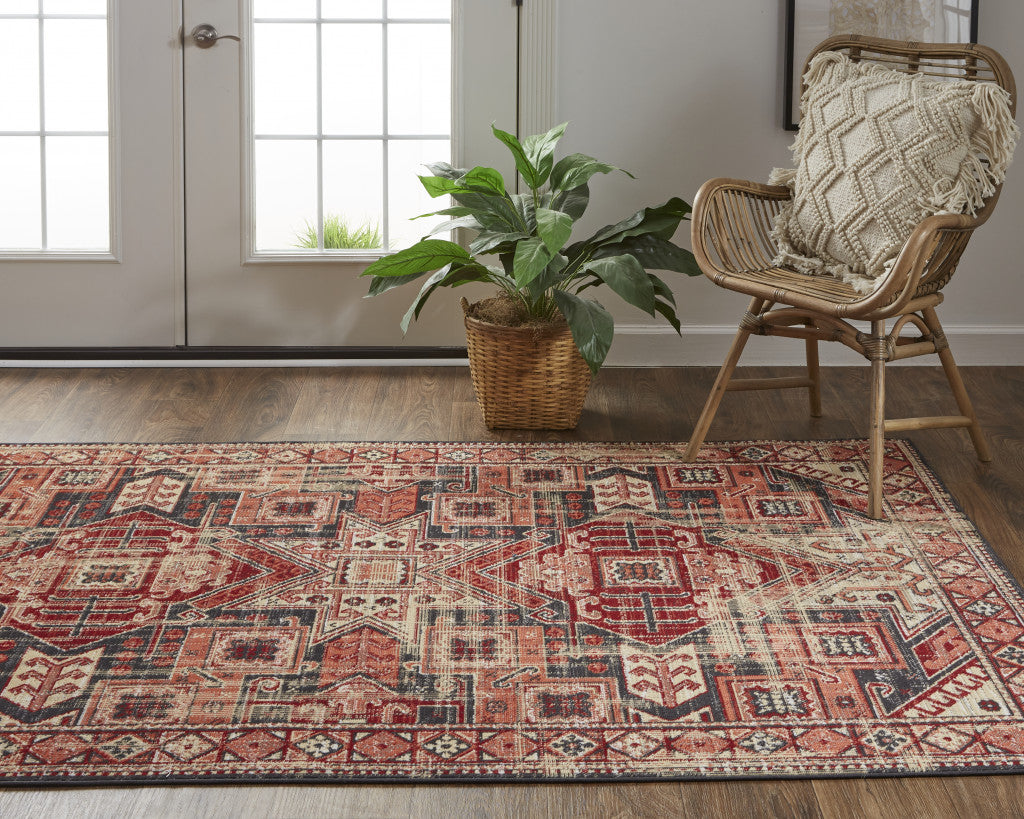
424 403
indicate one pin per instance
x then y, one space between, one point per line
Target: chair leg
956 383
876 442
707 415
813 373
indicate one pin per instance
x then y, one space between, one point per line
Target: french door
90 170
239 138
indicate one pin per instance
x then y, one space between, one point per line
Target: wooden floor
437 404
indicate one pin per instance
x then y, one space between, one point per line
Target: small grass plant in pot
534 347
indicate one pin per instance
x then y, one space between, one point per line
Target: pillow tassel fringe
785 177
999 136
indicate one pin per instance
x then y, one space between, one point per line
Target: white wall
679 91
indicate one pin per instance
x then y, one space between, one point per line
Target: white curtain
893 19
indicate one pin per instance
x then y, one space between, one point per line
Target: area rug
495 611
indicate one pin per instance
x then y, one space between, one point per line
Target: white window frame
250 255
114 251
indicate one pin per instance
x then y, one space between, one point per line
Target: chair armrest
731 225
731 228
926 262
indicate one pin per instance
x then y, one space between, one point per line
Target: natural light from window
54 126
350 99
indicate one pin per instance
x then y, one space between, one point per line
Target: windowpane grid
54 125
957 15
382 107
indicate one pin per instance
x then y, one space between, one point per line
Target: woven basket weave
526 377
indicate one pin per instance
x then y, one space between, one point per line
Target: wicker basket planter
526 377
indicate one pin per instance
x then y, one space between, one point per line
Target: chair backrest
950 61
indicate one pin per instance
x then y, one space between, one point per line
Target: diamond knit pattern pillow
878 151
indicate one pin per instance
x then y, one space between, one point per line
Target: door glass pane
333 99
285 78
420 9
419 80
285 9
352 9
55 175
19 88
353 93
76 193
77 7
21 226
285 189
353 194
406 196
75 74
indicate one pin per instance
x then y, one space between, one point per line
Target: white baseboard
648 345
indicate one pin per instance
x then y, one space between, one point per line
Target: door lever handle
206 36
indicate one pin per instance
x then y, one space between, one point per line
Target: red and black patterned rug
372 612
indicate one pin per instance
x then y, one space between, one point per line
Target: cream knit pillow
879 150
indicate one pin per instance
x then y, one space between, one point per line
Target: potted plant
533 348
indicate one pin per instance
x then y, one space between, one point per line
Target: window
957 19
349 99
54 126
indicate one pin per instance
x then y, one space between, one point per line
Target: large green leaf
668 311
476 180
627 277
458 210
381 284
548 278
445 170
491 242
573 201
539 150
662 221
532 256
662 290
483 179
451 276
428 254
507 259
523 164
525 208
493 212
576 169
440 186
654 253
554 227
468 222
592 327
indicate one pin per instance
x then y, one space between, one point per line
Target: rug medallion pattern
376 611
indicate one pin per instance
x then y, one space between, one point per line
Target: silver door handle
206 36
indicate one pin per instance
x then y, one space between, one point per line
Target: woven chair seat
788 282
733 242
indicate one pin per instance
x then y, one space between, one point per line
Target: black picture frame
806 25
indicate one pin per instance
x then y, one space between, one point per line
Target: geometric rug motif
495 611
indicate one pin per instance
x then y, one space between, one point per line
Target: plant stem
570 274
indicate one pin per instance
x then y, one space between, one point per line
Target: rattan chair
732 222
